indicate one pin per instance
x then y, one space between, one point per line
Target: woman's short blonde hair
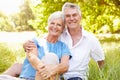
55 15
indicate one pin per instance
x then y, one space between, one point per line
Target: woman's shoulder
39 40
62 43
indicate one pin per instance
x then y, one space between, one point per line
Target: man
83 45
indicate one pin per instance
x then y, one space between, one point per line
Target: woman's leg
51 60
14 70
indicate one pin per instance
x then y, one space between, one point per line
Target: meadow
13 52
111 69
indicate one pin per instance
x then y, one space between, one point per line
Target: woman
43 59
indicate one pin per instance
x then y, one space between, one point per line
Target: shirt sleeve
97 52
66 50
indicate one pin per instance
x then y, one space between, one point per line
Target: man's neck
76 35
75 32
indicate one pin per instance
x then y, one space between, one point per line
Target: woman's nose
55 25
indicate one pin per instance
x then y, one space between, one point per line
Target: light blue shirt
59 48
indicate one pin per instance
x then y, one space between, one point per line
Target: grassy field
9 54
111 70
13 52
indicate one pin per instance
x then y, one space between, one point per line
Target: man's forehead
70 10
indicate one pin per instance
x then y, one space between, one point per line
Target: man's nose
71 17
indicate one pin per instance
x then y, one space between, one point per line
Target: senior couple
65 51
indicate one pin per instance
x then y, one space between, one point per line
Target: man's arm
28 46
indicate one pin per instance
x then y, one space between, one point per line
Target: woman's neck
52 39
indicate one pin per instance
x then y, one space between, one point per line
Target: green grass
9 54
6 57
111 70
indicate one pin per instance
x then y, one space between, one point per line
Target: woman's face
55 27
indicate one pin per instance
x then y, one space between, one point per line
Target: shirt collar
84 33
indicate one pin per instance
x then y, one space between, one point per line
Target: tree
95 14
21 19
5 23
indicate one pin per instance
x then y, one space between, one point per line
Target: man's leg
14 70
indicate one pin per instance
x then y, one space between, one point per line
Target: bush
7 57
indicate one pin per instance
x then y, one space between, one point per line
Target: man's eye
67 15
74 15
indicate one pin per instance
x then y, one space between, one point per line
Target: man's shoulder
89 35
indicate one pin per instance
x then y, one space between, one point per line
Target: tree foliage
21 19
5 23
98 16
17 21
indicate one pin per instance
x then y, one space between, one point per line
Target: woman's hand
47 71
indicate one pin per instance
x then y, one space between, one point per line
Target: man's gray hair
71 5
55 15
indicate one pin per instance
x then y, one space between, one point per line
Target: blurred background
21 20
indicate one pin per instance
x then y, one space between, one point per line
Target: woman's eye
52 23
59 25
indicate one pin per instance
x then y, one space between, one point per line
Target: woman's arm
32 56
34 61
61 68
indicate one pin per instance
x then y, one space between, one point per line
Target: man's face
72 17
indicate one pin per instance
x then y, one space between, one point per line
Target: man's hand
28 46
100 64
